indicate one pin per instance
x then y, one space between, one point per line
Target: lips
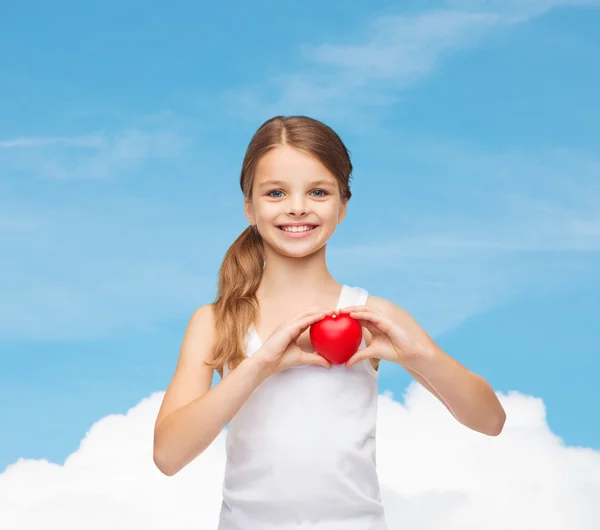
297 228
297 231
311 225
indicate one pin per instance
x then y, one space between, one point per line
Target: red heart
336 337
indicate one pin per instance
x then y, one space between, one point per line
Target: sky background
473 127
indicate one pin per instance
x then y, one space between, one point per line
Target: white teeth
296 228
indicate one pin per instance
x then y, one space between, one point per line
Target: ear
342 210
248 210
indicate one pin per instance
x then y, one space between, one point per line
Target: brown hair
240 274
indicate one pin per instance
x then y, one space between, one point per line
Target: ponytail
236 305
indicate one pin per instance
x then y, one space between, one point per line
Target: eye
318 192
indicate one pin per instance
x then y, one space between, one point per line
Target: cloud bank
435 474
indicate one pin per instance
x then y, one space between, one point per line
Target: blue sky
473 129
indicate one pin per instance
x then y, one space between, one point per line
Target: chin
304 251
295 249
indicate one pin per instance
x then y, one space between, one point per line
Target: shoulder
201 324
203 314
398 314
384 305
388 308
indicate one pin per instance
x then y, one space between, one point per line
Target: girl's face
295 203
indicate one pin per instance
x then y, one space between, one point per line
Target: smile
303 228
297 230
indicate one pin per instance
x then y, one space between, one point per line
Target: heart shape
336 337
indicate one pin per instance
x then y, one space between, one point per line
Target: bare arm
398 313
466 395
192 413
427 386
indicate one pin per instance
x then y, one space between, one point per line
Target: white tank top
301 450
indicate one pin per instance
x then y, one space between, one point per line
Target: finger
362 309
313 317
300 325
318 313
303 315
382 323
370 326
367 310
314 359
349 309
361 355
311 311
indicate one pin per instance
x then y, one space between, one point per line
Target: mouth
297 229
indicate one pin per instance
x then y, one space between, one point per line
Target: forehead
288 165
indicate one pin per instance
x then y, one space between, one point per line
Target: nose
297 205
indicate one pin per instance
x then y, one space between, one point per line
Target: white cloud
91 141
400 47
93 156
434 472
392 52
514 11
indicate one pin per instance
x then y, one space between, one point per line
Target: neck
296 278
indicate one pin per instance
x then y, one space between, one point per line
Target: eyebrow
274 182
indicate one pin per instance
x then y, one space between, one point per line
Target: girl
301 439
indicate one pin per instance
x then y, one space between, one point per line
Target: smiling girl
301 440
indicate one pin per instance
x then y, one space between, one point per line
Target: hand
389 342
281 351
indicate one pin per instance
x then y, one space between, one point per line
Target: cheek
264 212
330 215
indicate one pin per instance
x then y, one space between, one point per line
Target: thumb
314 359
361 355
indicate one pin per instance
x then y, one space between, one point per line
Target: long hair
236 306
